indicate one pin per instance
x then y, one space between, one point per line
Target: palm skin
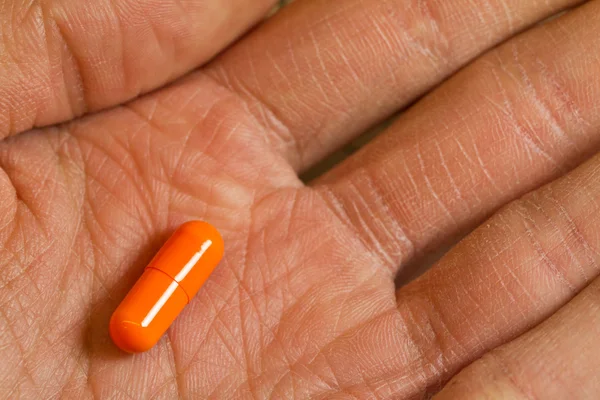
95 200
304 303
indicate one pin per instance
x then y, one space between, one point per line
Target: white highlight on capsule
173 286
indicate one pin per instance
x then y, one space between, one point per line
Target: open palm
304 304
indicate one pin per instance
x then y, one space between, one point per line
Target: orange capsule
168 283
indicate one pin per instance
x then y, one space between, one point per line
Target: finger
63 58
322 72
505 125
510 274
559 359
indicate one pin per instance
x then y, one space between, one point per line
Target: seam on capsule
173 279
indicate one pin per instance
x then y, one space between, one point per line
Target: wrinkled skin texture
310 300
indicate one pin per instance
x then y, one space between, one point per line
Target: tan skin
310 300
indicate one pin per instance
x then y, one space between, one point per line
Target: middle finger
322 71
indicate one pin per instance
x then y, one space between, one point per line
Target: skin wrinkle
448 173
123 209
77 101
417 43
373 245
251 302
558 272
584 243
93 273
563 239
324 348
77 228
472 330
224 341
369 233
430 186
399 235
242 288
561 95
483 168
372 390
26 273
125 169
498 361
344 59
364 228
242 93
509 17
22 273
217 317
415 187
590 250
510 273
221 77
547 113
476 152
189 133
149 206
25 202
315 356
325 96
47 20
71 378
20 348
269 113
387 39
443 333
230 348
507 110
176 376
425 364
505 288
25 355
158 128
50 342
49 348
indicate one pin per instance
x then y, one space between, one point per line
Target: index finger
61 58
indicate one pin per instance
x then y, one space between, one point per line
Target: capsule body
168 283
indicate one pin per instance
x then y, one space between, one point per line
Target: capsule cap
190 255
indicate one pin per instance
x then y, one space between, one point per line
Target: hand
304 304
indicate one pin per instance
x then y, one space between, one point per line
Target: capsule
167 285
